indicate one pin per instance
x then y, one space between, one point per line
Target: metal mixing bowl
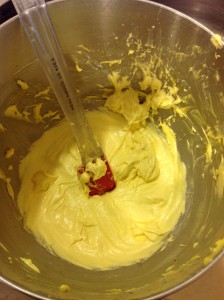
196 66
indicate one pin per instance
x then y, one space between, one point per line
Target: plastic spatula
36 22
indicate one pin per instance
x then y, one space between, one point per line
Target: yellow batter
121 227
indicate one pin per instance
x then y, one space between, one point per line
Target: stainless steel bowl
195 64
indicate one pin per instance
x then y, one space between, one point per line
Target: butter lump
216 40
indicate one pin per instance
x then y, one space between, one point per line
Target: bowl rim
197 275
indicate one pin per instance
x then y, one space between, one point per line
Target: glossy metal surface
208 12
98 22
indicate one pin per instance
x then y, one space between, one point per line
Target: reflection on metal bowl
185 49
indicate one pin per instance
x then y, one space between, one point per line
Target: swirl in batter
120 227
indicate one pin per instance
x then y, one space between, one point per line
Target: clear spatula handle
36 21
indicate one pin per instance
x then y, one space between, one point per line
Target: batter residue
121 227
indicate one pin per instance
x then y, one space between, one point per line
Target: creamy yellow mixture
120 227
